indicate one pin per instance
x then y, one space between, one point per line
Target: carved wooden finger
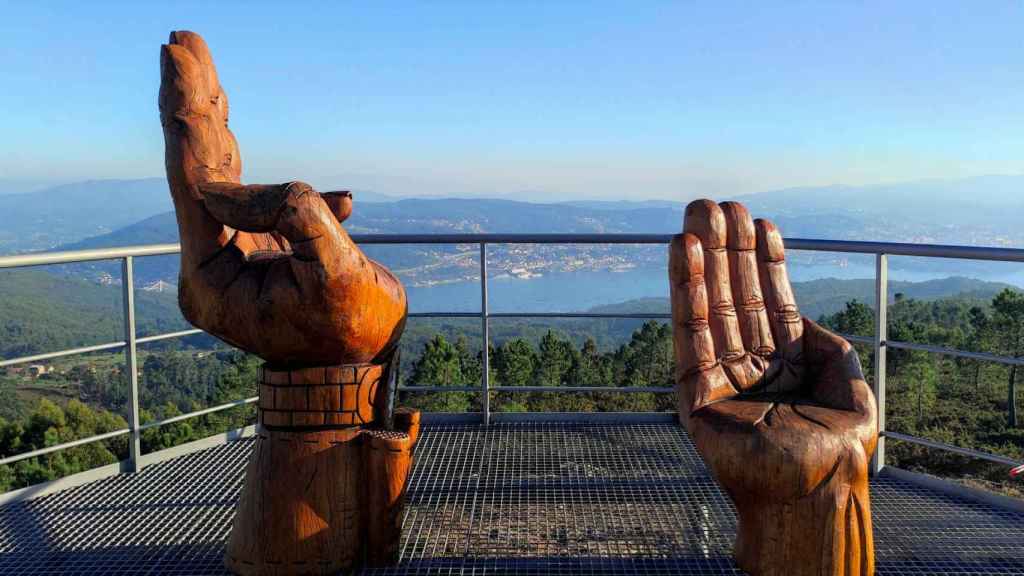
186 112
200 149
783 315
259 207
741 242
700 378
250 208
198 49
706 220
340 204
309 223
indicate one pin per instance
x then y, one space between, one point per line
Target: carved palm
268 268
776 405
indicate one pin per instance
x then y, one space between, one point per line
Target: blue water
578 291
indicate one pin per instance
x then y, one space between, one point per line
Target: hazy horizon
9 187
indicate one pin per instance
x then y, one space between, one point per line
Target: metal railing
129 344
880 342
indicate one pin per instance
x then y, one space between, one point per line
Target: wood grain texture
776 405
299 511
388 459
269 269
324 490
319 396
266 268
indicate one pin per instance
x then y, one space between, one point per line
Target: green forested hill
41 312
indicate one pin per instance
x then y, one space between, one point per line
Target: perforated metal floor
547 498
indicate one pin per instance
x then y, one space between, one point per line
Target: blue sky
547 100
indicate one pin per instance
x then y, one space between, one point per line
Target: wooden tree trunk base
299 509
321 498
826 533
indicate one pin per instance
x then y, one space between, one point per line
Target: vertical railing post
881 335
485 379
131 364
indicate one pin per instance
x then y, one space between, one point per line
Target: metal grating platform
535 498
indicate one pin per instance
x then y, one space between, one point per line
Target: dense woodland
172 383
958 401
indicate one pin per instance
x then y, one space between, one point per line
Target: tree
979 328
591 368
857 318
440 364
555 359
515 361
1008 322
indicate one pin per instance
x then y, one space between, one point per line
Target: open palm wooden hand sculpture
269 269
776 405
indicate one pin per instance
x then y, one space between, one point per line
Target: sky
538 100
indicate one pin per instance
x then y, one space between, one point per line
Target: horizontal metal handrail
95 348
907 249
560 389
415 388
65 445
984 356
904 345
91 255
810 244
123 431
62 353
857 339
210 410
167 335
952 448
500 238
596 315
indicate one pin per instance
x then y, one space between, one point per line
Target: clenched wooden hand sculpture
776 405
269 269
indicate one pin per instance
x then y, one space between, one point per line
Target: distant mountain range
68 213
972 211
19 186
982 200
979 210
61 215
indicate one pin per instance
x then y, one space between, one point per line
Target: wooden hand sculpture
269 268
776 405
